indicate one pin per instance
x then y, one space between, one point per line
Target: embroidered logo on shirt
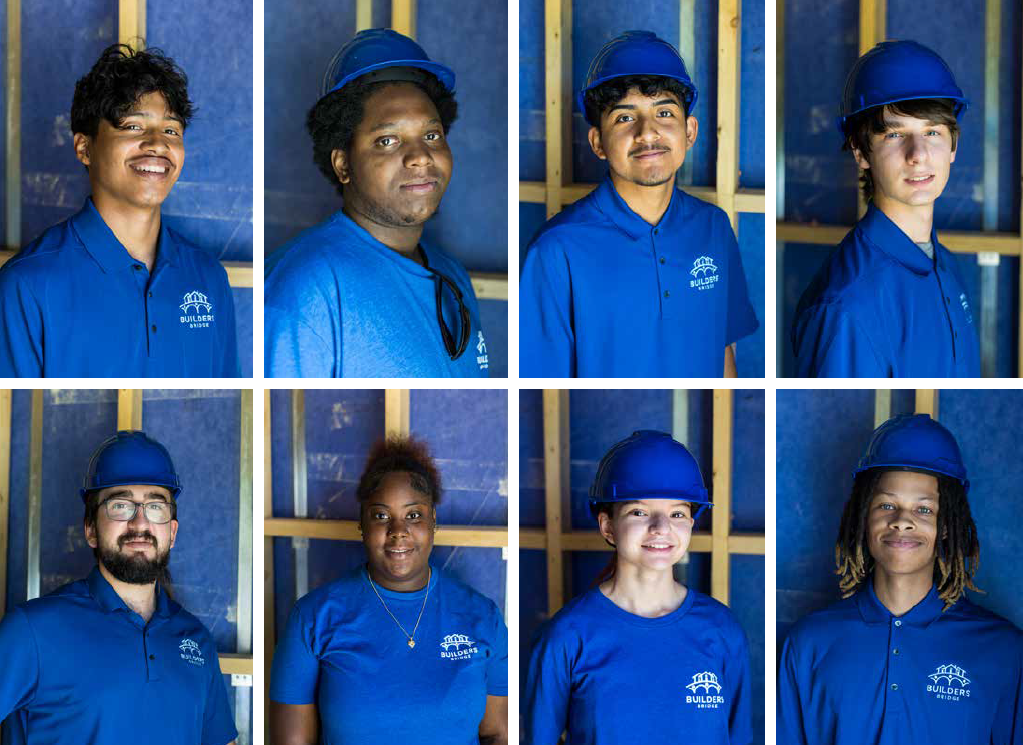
949 683
706 682
705 273
190 652
481 348
457 647
966 307
197 310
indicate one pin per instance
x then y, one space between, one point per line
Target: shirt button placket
893 669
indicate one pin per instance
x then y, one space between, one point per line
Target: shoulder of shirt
564 226
696 207
197 254
822 623
41 257
59 600
327 243
967 610
464 594
721 615
849 276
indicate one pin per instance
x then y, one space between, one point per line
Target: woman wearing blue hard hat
640 658
906 656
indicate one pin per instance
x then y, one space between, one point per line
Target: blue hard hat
898 71
638 53
917 442
131 457
375 51
649 465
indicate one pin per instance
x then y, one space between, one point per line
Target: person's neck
900 593
914 221
644 592
140 598
649 202
403 239
412 584
137 228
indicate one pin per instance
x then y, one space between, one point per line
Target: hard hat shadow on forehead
916 442
131 457
385 56
649 465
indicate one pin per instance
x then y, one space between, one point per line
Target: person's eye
131 126
120 506
638 512
379 515
680 515
926 511
387 141
624 118
172 131
415 515
886 506
434 136
892 135
665 113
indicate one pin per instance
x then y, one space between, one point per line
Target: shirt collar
344 222
110 601
611 204
921 615
101 243
888 237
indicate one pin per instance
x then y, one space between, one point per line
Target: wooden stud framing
269 625
403 17
131 22
245 495
12 140
556 490
927 402
873 18
129 408
363 14
474 536
35 495
5 489
721 514
729 53
237 664
489 286
882 406
558 99
397 412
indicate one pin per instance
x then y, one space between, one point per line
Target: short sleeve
790 713
740 722
546 335
742 319
497 665
228 367
20 672
295 674
218 724
548 688
829 343
21 328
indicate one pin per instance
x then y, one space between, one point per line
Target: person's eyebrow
389 125
664 101
147 115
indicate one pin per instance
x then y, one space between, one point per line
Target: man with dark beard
85 662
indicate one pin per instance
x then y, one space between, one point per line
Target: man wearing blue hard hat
889 301
361 294
638 640
112 657
636 279
906 656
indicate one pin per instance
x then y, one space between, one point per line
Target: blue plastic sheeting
747 602
531 218
531 468
494 320
752 102
747 461
532 120
750 350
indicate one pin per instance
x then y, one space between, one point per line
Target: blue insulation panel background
340 429
472 222
814 479
597 420
821 181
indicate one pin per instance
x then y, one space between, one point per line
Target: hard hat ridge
917 442
130 457
387 56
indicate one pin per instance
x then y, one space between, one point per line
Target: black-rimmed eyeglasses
123 510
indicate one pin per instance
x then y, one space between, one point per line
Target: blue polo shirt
74 303
610 677
80 667
853 673
342 651
880 308
606 294
338 303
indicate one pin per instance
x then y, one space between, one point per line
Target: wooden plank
35 494
129 408
748 200
779 116
396 412
235 664
131 23
751 544
965 242
927 402
269 611
882 406
403 17
470 536
558 92
556 490
243 586
363 14
12 139
872 23
5 489
489 285
729 54
721 514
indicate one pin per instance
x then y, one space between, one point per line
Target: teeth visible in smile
151 169
919 178
399 550
658 545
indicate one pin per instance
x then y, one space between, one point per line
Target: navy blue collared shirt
79 666
853 673
606 294
74 303
880 308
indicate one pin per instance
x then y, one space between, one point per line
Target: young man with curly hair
636 279
906 656
889 301
361 294
113 292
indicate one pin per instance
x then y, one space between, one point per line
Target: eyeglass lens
123 510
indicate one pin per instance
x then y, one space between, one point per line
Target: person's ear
595 143
606 527
83 148
339 161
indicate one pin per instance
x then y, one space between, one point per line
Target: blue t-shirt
74 303
880 308
341 304
853 673
606 294
79 666
343 652
610 677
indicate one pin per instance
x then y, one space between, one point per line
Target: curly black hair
400 455
598 100
334 118
957 545
120 77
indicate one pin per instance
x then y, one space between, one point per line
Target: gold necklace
411 640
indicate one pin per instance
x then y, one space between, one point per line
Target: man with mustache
636 279
113 292
889 302
906 656
361 294
101 657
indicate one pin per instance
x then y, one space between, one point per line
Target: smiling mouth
398 551
420 187
659 546
151 167
901 543
918 180
649 154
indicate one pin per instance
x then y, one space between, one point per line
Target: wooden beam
872 23
470 536
244 576
129 408
35 495
269 612
489 285
965 242
363 14
556 490
558 92
927 402
403 17
729 57
754 544
882 406
235 664
397 412
131 23
721 514
5 489
12 138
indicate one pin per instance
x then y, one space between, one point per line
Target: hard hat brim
444 74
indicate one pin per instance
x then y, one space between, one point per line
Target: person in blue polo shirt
113 292
112 658
396 651
906 656
361 294
890 301
636 279
640 658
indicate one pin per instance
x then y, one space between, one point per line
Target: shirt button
895 651
667 294
154 328
136 267
152 656
150 294
662 259
657 231
895 686
898 622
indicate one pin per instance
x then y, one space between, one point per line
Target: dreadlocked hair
957 546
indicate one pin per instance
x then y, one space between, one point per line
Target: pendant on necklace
411 643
